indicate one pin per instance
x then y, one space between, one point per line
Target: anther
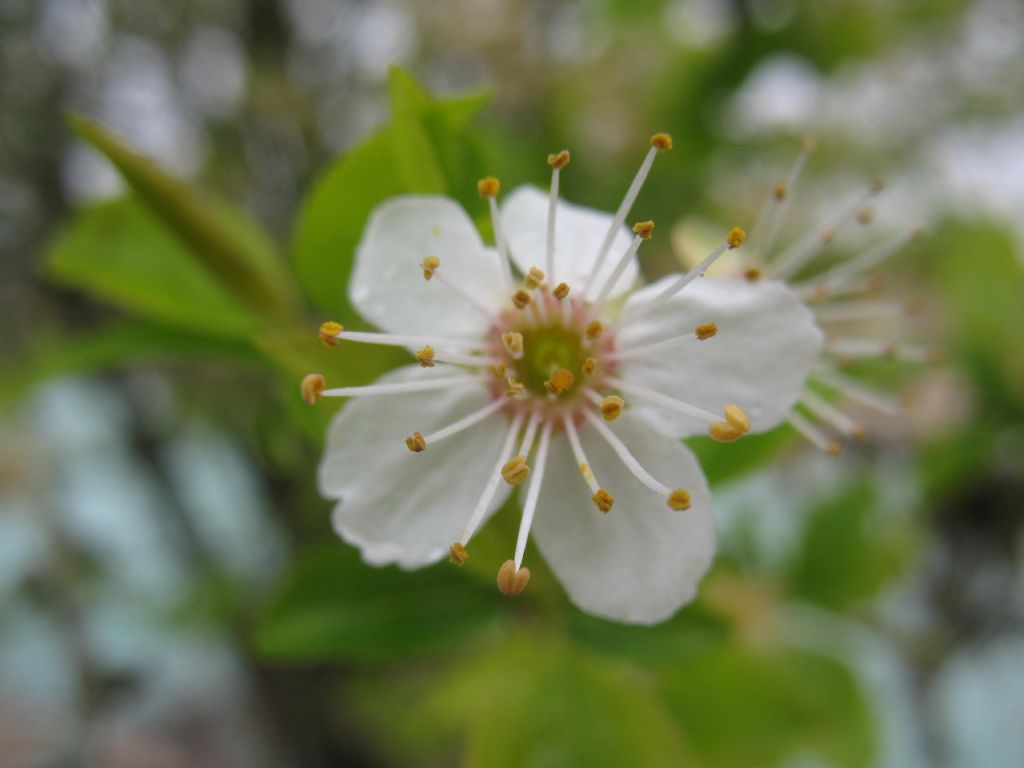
661 142
644 229
752 274
593 330
458 554
329 333
513 343
515 470
488 187
865 215
737 417
426 357
498 370
589 366
827 235
430 265
705 331
559 160
534 278
603 500
416 443
679 500
561 291
779 193
834 448
724 432
312 386
735 237
514 388
611 407
521 299
510 581
561 380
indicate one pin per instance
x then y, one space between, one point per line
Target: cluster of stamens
549 362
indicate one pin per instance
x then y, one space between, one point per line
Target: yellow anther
644 229
593 330
809 144
865 215
416 443
561 291
521 299
827 235
426 357
585 470
559 160
779 193
737 417
679 500
488 187
561 380
514 388
753 274
498 370
430 265
510 581
611 407
458 554
533 278
589 366
834 448
312 387
516 470
513 343
735 237
329 333
724 432
661 142
705 331
603 500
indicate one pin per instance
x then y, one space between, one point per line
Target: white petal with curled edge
403 507
388 287
767 341
642 561
579 233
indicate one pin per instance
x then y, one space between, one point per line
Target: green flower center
546 349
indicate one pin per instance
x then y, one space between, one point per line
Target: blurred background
171 593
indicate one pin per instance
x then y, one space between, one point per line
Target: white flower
563 381
842 302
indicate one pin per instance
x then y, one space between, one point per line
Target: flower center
547 349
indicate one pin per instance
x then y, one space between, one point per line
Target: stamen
700 333
644 230
416 443
533 278
733 240
426 357
773 213
680 500
844 272
593 330
464 296
852 348
831 415
312 387
664 400
561 291
627 458
589 366
516 470
557 163
561 380
862 310
611 407
492 481
400 387
514 388
532 494
498 370
329 333
513 343
859 393
401 340
660 142
602 499
430 265
462 424
454 358
458 554
511 581
521 299
818 292
489 188
813 435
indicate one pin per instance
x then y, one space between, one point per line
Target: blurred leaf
333 606
742 709
120 251
222 238
414 153
725 461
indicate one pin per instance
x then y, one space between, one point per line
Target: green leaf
747 709
224 240
332 606
120 251
415 155
725 461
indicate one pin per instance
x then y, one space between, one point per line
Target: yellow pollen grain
510 581
329 332
834 448
426 357
458 554
737 417
312 387
534 278
603 500
488 187
724 432
498 370
705 331
679 500
644 229
416 443
559 160
865 215
561 291
430 265
753 274
513 343
516 470
561 380
521 299
593 330
611 407
661 142
827 236
514 388
735 237
589 366
779 193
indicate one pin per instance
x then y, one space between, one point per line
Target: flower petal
579 233
387 285
402 507
642 561
759 359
